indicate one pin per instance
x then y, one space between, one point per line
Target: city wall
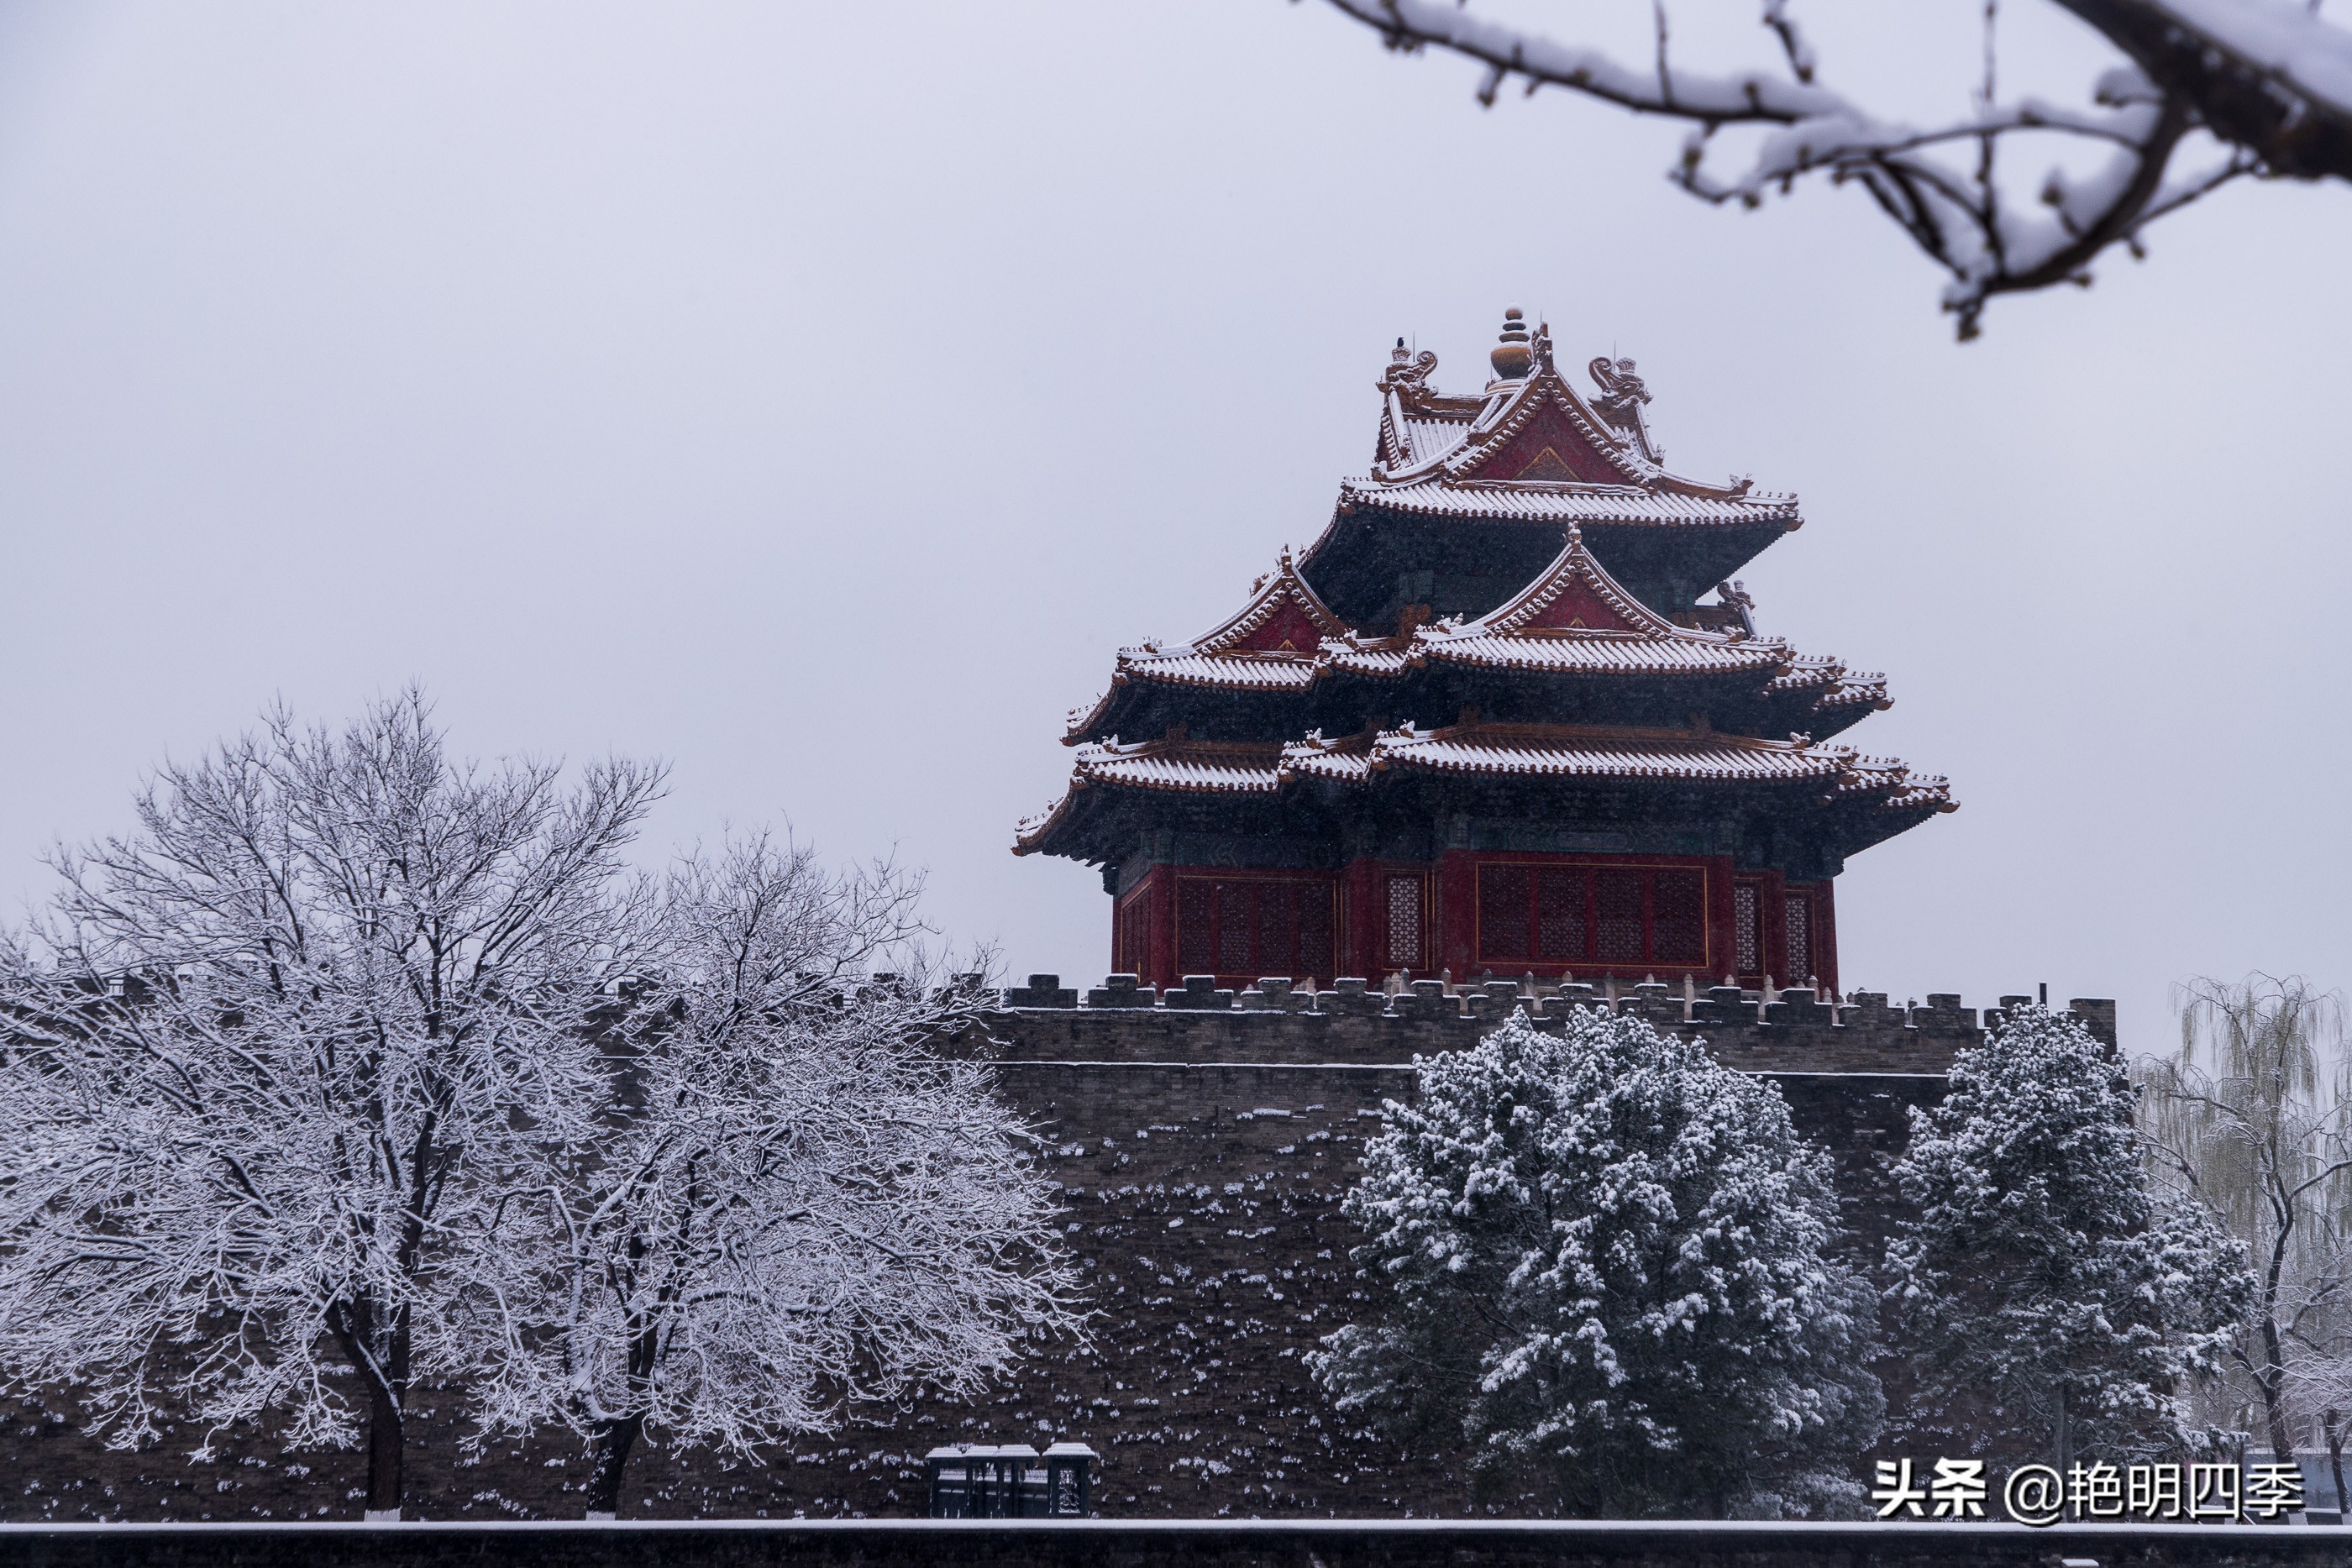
1202 1141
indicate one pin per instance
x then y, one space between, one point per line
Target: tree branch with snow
796 1201
2204 92
271 1060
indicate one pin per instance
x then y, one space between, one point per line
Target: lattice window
1800 910
1277 928
1315 953
1560 925
1747 928
1196 926
1503 912
1617 903
1550 916
1233 902
1678 918
1245 928
1135 935
1404 923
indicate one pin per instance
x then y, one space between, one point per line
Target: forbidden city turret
1485 725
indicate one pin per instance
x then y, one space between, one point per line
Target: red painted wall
1450 915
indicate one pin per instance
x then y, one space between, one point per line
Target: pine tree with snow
2051 1299
1604 1262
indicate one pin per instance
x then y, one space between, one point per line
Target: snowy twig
2268 81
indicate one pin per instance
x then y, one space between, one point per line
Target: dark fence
1054 1543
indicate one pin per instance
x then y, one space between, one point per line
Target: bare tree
270 1060
2203 92
794 1201
2265 1135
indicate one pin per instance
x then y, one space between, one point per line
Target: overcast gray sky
816 397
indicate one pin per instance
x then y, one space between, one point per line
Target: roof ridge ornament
1408 374
1743 604
1620 389
1512 354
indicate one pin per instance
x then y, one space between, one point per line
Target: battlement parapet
1274 1021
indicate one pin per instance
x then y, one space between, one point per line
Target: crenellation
1041 991
1273 994
1121 991
1278 1019
2099 1015
1799 1007
1352 998
1199 993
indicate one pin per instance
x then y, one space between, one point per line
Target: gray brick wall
1203 1142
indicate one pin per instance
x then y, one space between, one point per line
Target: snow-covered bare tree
2198 93
271 1061
794 1200
2051 1297
2255 1114
1605 1263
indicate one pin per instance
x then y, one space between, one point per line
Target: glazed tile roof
1215 768
1629 639
1436 454
1856 691
1556 751
1495 750
1225 658
1601 505
1232 672
1429 438
1624 636
1589 653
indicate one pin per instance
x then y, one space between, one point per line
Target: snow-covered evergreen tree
2052 1299
1604 1263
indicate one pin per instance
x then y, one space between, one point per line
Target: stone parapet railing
1798 1030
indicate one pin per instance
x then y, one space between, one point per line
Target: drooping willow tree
2254 1113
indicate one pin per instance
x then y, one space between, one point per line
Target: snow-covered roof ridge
1268 596
1575 616
1432 442
1515 410
1829 773
1271 643
1572 620
1586 504
1574 567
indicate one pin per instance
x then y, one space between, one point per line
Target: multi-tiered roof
1569 674
1499 638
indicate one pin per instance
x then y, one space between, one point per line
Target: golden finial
1513 355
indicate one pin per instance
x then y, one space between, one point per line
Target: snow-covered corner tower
1487 725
